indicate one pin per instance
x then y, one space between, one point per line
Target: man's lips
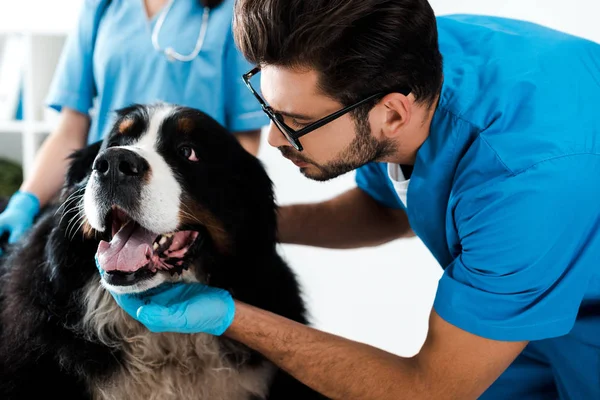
298 163
289 154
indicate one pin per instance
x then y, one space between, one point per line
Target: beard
362 150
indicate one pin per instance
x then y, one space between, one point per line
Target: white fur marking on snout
159 202
90 205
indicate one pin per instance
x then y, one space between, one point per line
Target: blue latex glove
18 216
180 307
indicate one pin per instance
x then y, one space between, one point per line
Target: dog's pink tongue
128 251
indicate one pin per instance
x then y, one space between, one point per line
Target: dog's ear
81 164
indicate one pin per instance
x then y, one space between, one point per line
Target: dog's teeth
155 246
163 240
168 235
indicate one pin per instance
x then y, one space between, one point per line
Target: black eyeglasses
293 135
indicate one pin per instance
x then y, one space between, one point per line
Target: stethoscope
171 54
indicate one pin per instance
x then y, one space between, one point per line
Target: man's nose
275 137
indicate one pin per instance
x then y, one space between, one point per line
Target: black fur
43 351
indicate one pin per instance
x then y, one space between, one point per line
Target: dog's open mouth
133 250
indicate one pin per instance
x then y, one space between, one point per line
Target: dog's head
168 186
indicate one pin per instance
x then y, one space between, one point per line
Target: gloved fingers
158 318
167 294
16 234
24 202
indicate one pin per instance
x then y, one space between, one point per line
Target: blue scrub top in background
122 66
505 193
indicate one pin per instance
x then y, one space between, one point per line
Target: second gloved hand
19 215
182 308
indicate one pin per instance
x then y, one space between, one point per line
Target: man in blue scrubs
482 136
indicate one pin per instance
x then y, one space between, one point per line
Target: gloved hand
18 216
180 307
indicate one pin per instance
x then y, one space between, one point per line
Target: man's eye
299 125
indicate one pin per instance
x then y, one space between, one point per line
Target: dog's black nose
120 165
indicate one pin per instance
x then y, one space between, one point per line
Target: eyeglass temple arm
335 115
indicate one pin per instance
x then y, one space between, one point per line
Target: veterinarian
481 136
137 51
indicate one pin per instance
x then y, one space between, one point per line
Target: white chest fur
166 365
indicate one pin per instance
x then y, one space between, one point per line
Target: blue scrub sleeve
530 246
73 83
242 110
372 178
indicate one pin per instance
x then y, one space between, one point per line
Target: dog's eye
188 153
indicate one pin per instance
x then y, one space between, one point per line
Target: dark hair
359 47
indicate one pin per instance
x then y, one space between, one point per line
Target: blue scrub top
122 67
505 192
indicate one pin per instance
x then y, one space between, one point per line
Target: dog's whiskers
77 220
68 199
196 219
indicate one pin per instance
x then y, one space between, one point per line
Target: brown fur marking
88 231
125 125
185 124
191 212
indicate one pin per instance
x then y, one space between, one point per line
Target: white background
381 296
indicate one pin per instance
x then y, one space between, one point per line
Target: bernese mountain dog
168 196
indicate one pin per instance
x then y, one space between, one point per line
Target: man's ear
397 113
81 164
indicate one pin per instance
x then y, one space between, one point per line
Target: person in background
137 51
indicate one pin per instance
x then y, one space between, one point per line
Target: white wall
381 296
579 17
39 16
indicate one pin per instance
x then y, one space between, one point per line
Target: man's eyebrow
294 115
